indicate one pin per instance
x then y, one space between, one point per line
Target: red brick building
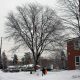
73 51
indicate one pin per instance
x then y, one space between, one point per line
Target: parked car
23 69
5 70
49 68
13 69
30 69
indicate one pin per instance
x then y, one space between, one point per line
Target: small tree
4 60
57 61
15 59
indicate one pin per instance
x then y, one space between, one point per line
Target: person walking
44 71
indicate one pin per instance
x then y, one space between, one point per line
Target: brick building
73 51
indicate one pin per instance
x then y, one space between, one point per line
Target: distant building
73 51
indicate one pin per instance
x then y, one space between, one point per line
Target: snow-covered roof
30 65
11 66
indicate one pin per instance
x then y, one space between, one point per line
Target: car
13 69
30 69
5 70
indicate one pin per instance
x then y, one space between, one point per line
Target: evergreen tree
4 60
15 59
26 59
63 60
23 61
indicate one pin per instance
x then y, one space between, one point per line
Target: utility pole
0 54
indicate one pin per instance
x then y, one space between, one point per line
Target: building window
77 62
77 44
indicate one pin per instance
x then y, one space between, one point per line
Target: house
73 51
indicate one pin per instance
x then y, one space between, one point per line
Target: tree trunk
35 64
79 18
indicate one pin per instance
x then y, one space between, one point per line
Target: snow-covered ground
59 75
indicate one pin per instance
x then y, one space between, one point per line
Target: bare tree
35 27
71 15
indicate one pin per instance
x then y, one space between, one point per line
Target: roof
72 39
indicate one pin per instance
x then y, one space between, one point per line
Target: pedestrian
43 71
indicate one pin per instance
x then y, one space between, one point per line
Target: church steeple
0 54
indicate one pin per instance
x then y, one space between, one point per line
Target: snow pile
59 75
63 75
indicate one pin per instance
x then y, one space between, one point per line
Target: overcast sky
10 5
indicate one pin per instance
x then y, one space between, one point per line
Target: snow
29 65
54 75
11 66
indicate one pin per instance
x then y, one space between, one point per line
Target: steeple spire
0 54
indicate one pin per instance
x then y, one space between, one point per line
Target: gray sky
10 5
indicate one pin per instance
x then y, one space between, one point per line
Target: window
77 44
77 60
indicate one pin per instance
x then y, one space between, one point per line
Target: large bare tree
35 27
70 12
